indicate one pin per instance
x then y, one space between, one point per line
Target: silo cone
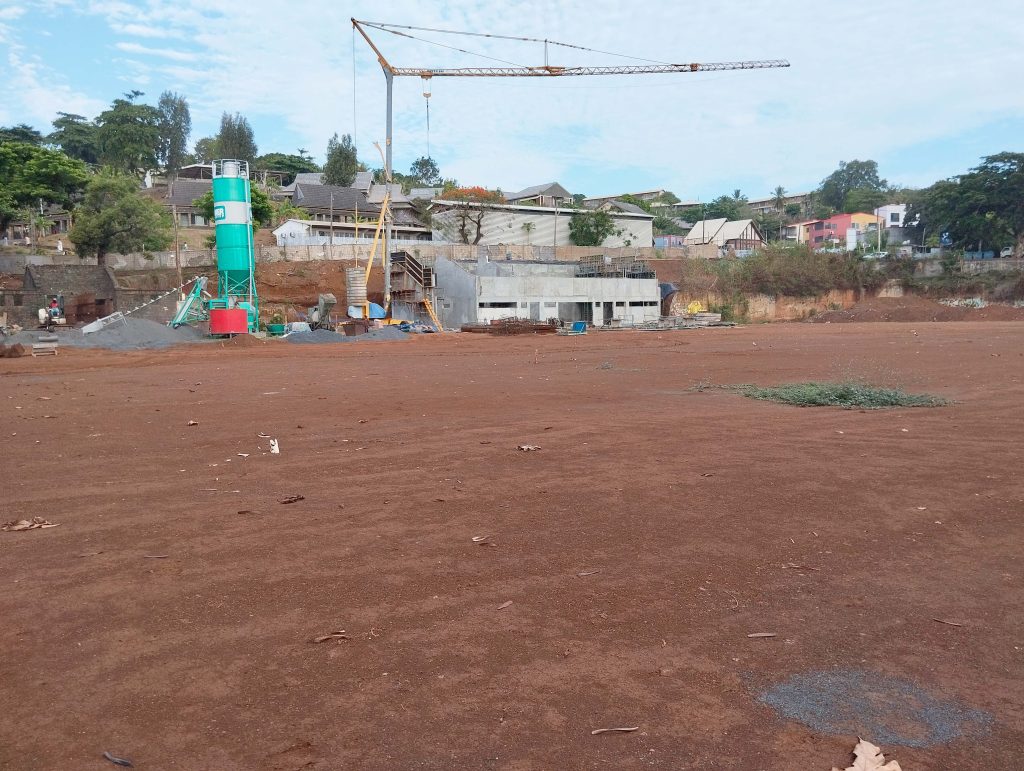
236 264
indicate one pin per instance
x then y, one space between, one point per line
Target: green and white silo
236 258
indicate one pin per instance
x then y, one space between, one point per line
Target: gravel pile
136 334
326 336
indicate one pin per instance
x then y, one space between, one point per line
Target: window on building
819 239
18 302
550 305
498 305
819 225
620 304
894 216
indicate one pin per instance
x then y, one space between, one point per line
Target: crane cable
385 27
442 45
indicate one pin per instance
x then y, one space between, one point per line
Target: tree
262 210
342 162
863 199
578 199
175 127
116 217
666 225
629 198
977 209
29 173
289 164
590 227
76 136
20 133
129 135
284 210
425 171
469 216
667 197
205 151
235 139
779 198
793 210
731 207
849 176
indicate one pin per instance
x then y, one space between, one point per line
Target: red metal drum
229 321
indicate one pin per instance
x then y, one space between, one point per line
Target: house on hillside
177 198
615 205
550 194
832 231
767 205
317 232
891 215
528 225
56 218
736 235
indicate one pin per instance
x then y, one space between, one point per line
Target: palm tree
779 198
528 228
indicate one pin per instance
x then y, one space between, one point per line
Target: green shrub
846 395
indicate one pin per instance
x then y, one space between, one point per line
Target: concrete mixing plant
235 309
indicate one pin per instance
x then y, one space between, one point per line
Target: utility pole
177 253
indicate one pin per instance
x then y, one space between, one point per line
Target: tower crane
509 70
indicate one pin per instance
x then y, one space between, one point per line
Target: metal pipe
390 78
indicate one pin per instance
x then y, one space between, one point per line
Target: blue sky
925 87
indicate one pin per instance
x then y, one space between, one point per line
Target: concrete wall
422 250
456 293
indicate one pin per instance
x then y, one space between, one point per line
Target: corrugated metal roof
320 197
549 188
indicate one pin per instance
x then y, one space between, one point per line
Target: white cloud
39 94
164 53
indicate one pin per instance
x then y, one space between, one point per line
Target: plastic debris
118 761
527 447
868 757
293 498
275 448
597 731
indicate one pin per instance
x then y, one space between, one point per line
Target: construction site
479 508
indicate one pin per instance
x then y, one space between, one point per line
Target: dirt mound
913 308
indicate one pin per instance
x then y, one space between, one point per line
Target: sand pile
326 336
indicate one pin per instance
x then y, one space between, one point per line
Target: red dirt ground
687 501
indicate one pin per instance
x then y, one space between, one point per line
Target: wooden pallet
44 349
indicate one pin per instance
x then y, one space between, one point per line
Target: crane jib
552 71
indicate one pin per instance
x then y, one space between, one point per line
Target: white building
530 225
892 215
315 233
603 292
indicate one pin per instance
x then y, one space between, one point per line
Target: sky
924 87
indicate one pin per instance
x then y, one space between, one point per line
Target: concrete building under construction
603 291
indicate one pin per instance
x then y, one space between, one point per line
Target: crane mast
545 70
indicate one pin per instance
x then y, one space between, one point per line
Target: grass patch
846 395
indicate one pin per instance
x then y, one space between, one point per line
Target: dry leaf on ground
36 523
868 757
